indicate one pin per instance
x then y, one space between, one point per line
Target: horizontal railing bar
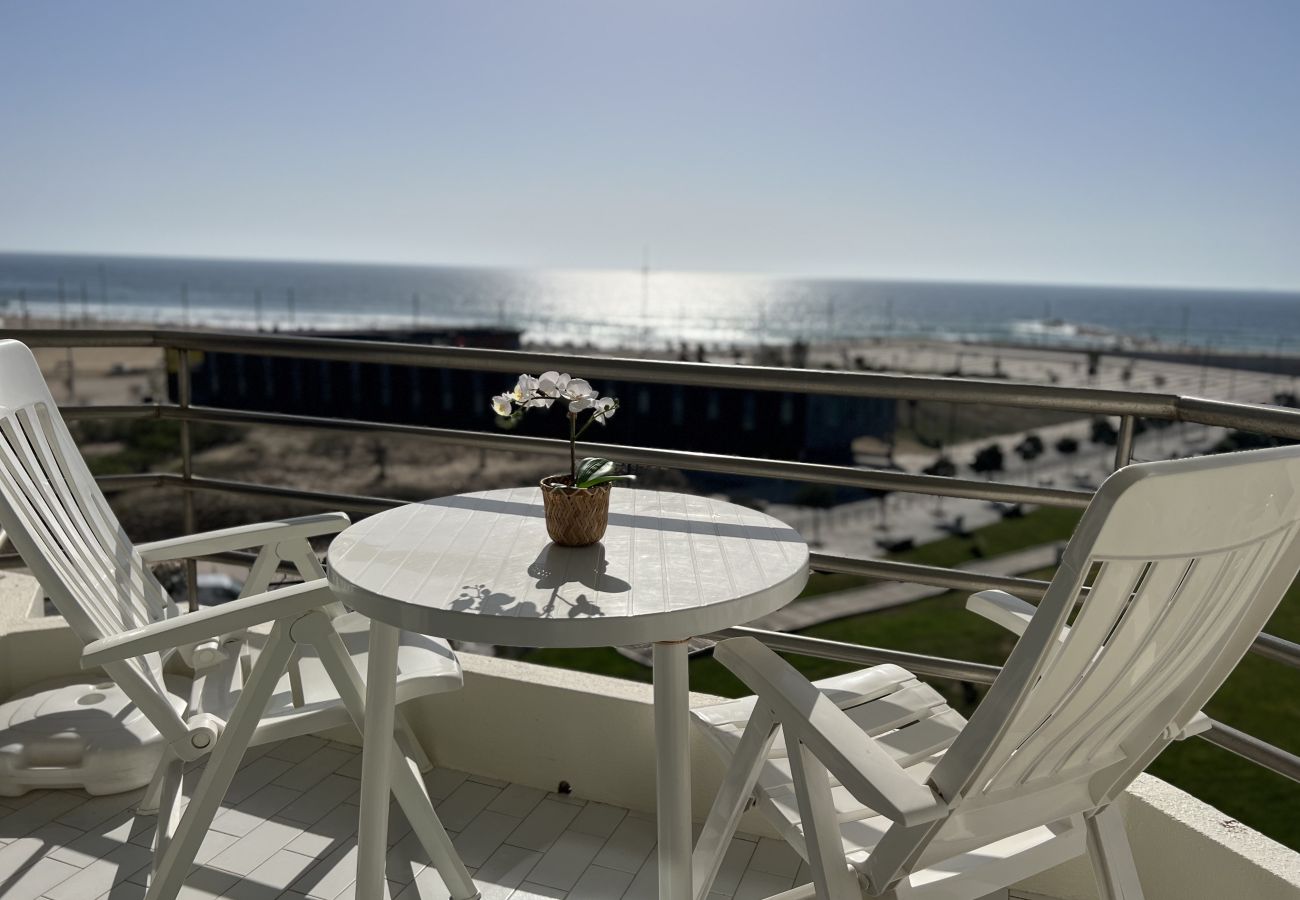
1272 420
891 570
1093 401
848 476
138 411
836 383
113 483
934 576
347 502
1249 747
87 337
840 651
955 579
1278 649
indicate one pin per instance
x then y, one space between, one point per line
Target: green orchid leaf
595 470
593 467
606 479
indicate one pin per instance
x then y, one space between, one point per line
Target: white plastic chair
299 672
887 791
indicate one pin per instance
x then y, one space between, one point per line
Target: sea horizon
621 308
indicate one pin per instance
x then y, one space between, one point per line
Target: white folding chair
886 790
270 665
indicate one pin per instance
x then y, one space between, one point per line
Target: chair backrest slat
62 518
61 524
96 518
1187 560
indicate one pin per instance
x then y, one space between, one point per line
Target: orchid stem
573 449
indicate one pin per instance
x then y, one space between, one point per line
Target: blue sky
1043 140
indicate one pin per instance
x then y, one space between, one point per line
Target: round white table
480 567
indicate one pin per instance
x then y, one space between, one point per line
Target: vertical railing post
183 399
1124 442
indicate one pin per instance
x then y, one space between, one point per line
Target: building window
643 400
712 408
787 409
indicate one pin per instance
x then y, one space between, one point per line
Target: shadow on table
555 569
640 519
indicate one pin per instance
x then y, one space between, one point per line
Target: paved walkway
841 604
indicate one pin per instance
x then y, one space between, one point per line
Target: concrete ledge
33 647
1186 849
539 726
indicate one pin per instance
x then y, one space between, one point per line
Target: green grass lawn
1261 697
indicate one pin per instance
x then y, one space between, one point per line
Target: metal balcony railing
1128 405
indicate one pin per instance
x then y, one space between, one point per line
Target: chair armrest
242 537
190 628
808 715
1006 610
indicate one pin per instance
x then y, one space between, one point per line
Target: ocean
635 309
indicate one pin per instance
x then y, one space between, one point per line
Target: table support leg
377 760
673 769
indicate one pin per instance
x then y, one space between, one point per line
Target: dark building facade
766 424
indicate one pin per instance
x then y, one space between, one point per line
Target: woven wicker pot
575 517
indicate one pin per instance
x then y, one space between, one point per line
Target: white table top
480 567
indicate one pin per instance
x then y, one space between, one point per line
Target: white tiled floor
288 830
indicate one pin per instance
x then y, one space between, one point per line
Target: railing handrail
1087 400
1127 405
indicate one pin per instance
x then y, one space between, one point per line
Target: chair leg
410 745
736 789
169 876
316 628
1112 857
168 803
821 826
152 799
414 799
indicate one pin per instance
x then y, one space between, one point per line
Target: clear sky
1125 141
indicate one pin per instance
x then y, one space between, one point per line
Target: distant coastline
655 311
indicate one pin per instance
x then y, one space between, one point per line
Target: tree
943 466
1030 447
1103 432
988 460
1067 445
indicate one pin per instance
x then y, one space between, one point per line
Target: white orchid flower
577 406
553 384
579 389
502 404
524 387
605 407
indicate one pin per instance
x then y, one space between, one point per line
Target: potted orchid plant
576 503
